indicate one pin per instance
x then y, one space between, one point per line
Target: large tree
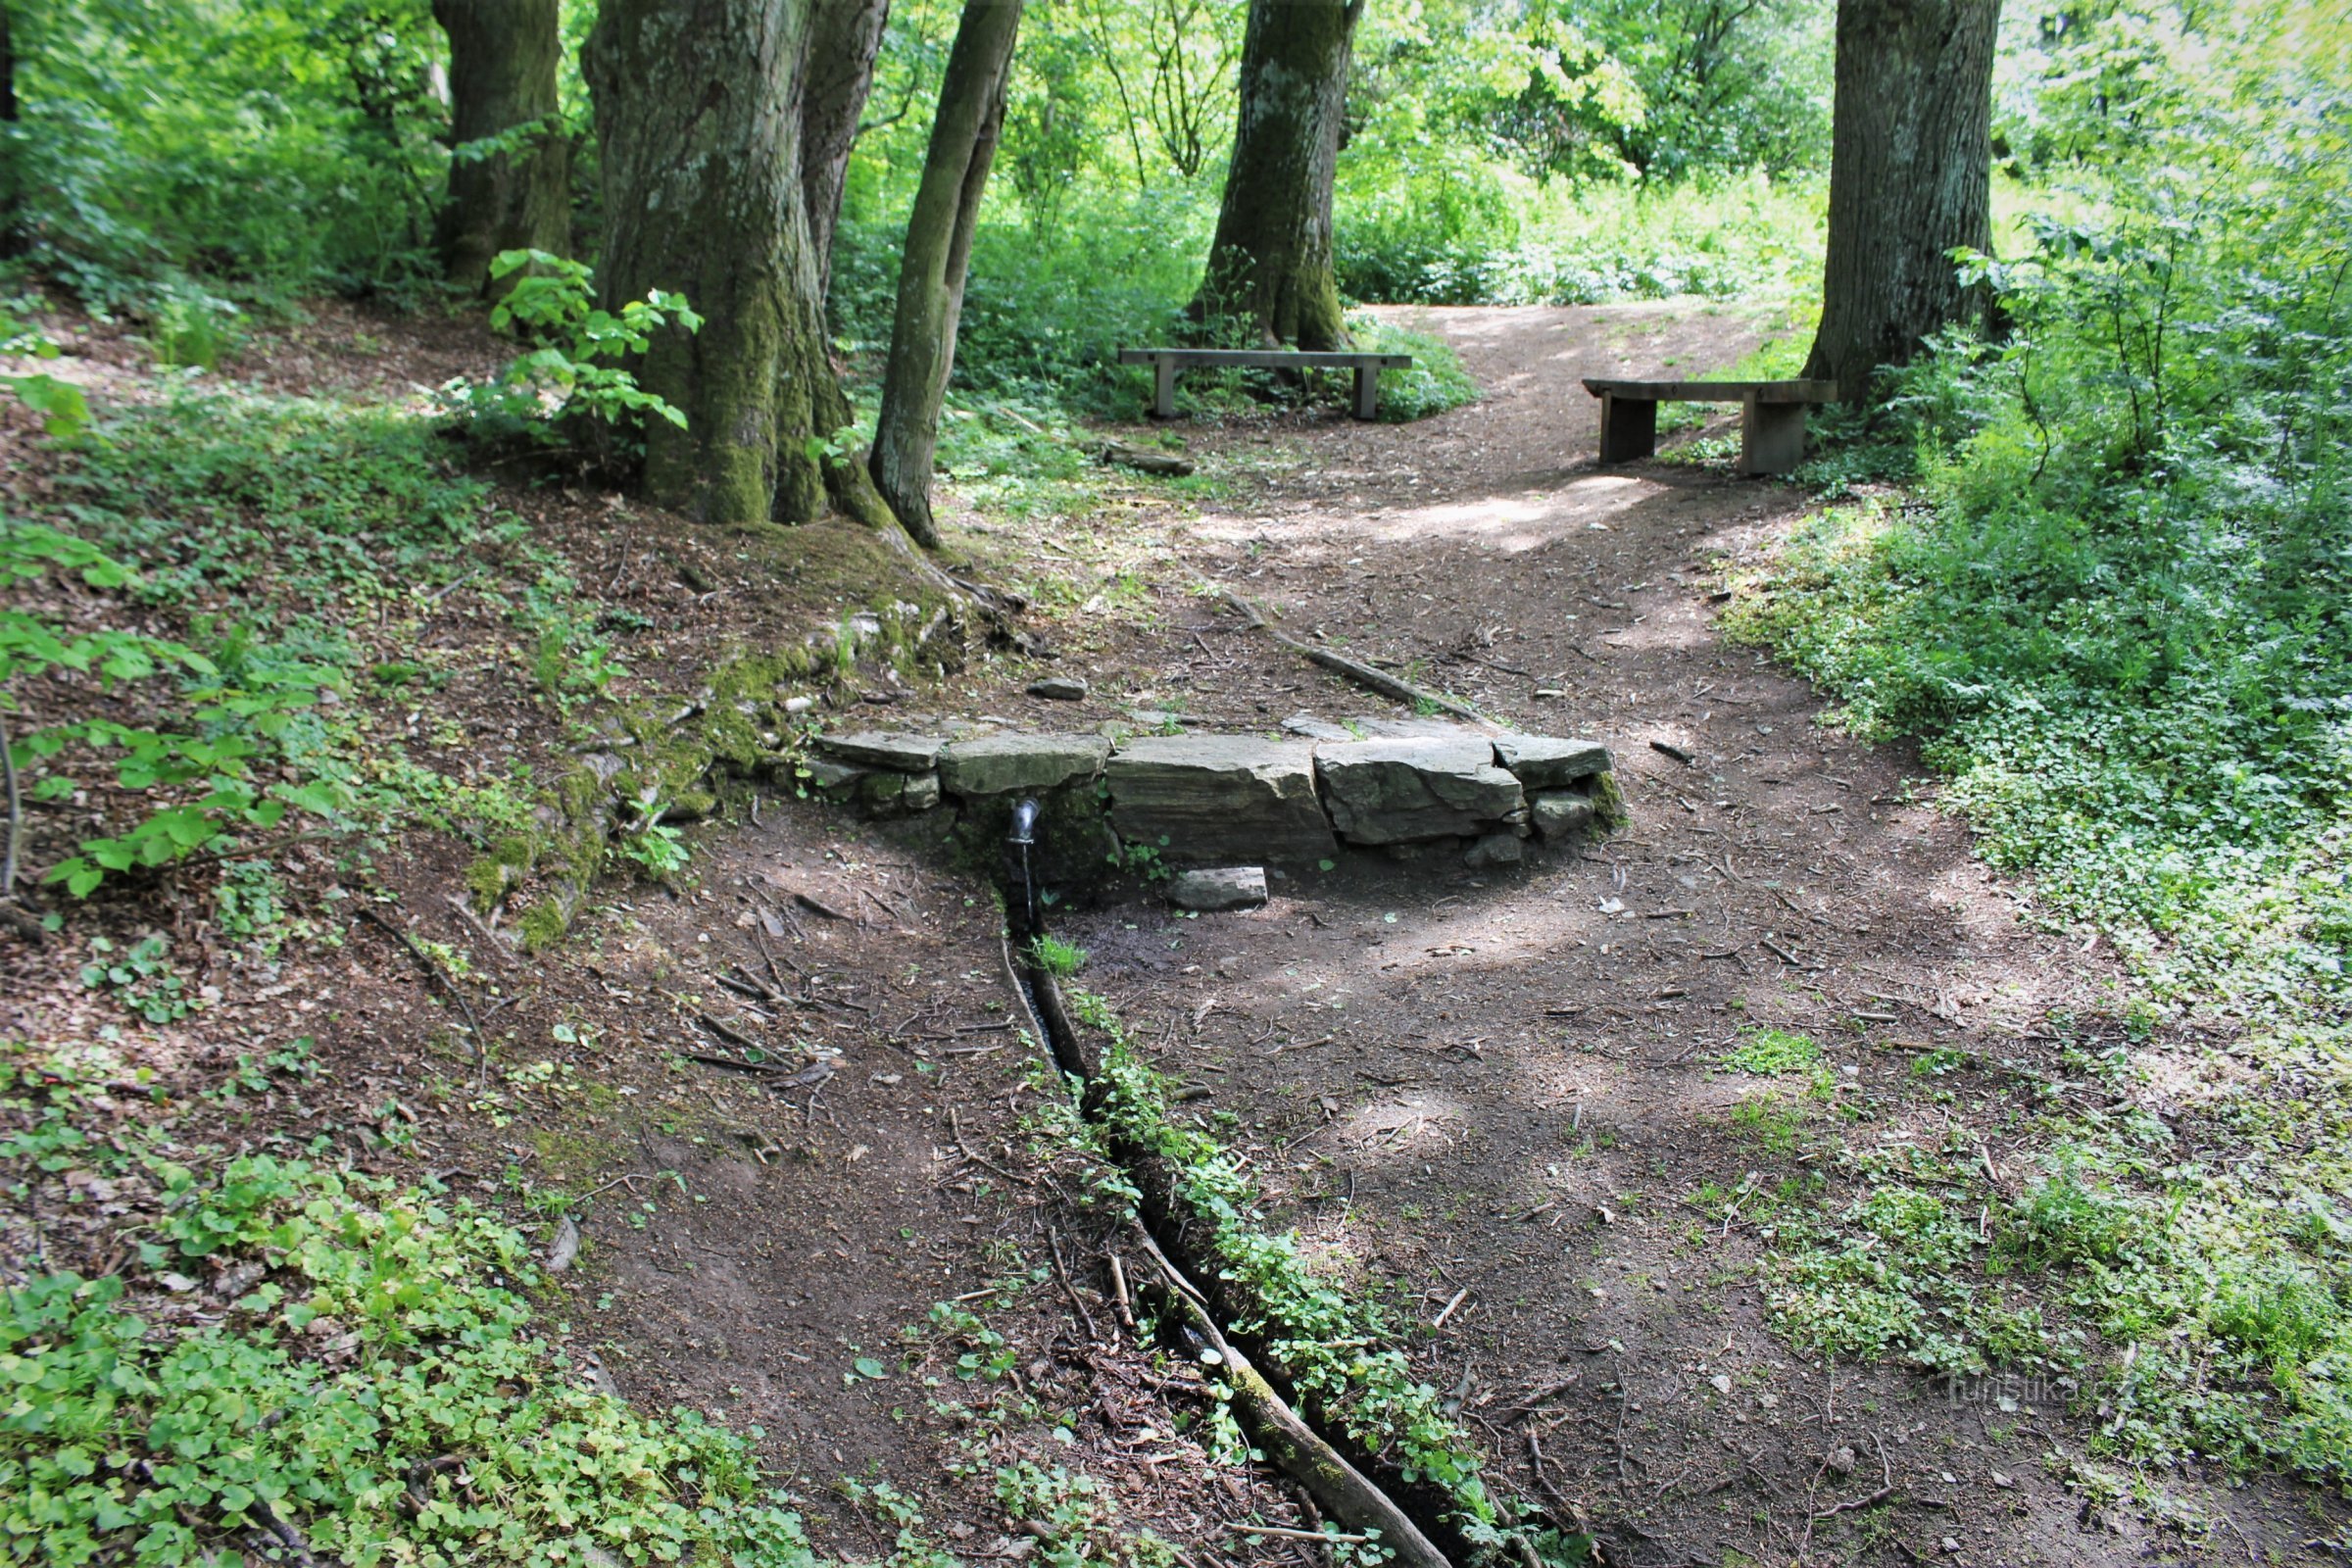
1910 178
510 184
844 37
938 253
1270 265
699 108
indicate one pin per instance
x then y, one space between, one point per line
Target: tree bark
1270 266
698 112
12 218
1910 179
501 74
939 249
844 37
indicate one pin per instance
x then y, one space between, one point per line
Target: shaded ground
1498 1093
1506 1086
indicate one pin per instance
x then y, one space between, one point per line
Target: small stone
1722 1381
1495 849
870 748
999 764
1240 887
1841 1461
1547 762
886 793
797 705
1560 814
1951 1544
1059 688
2001 1481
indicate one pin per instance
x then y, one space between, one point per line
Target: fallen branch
1364 675
1144 461
1335 1484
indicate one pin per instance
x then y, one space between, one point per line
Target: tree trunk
698 112
12 217
501 74
938 249
1270 266
1910 178
844 37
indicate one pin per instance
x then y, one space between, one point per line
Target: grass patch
1764 1052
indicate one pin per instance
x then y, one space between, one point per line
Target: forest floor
1579 1109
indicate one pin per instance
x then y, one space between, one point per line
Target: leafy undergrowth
2114 607
293 1353
1336 1343
216 637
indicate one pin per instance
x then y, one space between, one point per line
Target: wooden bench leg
1367 392
1771 436
1629 428
1164 388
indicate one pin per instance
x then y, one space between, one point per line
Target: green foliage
569 375
141 977
378 1327
172 152
1058 959
1332 1343
1772 1053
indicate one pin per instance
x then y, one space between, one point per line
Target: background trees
509 170
1270 261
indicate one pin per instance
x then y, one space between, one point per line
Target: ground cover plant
2110 602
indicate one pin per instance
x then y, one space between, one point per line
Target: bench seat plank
1271 359
1165 361
1716 391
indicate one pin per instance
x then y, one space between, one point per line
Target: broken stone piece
1218 798
1545 762
874 748
999 765
1059 688
1238 887
1396 790
833 781
1494 849
1559 813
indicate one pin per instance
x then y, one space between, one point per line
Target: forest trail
1511 1086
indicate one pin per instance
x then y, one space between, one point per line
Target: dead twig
433 971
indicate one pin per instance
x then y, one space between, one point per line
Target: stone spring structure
1408 787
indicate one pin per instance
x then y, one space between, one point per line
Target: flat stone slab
1058 688
1219 797
1397 790
874 747
1546 763
1238 887
999 765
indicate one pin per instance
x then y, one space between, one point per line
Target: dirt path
1506 1086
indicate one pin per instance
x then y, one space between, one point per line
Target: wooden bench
1772 417
1167 363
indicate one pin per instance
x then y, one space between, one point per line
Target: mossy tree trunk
502 76
1910 179
844 37
1270 267
697 114
938 254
